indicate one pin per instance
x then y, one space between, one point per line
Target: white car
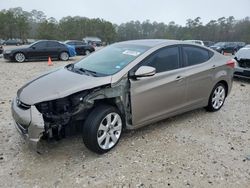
242 68
200 42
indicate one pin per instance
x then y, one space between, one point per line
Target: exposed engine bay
62 116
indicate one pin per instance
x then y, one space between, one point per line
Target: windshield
111 59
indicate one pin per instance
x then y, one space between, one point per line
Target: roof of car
151 42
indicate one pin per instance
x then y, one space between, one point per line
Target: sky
117 11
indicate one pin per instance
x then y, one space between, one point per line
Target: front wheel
217 98
102 129
19 57
64 56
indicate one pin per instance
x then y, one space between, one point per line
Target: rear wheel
217 98
87 52
64 56
19 57
102 129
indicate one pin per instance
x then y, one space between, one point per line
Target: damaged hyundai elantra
126 85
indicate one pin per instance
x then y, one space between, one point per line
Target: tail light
231 63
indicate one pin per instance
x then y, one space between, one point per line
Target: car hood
18 49
58 84
243 53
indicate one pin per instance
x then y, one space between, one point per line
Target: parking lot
196 149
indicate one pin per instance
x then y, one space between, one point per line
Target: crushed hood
58 84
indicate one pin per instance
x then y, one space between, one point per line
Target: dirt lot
196 149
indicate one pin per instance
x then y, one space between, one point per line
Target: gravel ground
196 149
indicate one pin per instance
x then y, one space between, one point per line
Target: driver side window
165 59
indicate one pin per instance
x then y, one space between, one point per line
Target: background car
81 47
95 41
126 85
1 49
16 42
208 43
1 41
200 42
227 47
242 57
41 50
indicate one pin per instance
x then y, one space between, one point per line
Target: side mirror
145 71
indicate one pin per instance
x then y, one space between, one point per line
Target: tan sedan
123 86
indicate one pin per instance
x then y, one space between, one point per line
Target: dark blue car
41 50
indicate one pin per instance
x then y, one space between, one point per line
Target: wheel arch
115 102
225 84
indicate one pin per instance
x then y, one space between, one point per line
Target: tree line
17 23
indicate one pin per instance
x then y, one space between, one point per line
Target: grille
244 64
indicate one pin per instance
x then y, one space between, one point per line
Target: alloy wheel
218 97
109 131
20 57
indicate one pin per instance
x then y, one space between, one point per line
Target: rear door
154 97
199 74
53 49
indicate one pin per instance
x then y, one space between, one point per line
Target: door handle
179 78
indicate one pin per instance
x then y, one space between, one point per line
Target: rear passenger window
164 60
52 44
194 55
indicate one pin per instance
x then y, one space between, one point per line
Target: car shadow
73 145
242 80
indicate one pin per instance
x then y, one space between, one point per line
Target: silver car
242 67
126 85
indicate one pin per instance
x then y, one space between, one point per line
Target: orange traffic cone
49 62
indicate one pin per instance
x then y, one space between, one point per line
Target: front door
38 50
153 98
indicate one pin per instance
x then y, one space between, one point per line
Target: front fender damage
61 116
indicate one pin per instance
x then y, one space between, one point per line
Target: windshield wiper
89 72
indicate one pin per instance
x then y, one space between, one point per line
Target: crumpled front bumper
29 123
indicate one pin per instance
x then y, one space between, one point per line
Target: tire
222 52
217 98
98 135
19 57
87 52
64 56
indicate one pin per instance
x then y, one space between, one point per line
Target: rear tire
217 98
64 56
102 129
87 52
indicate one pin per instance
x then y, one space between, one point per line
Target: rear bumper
29 123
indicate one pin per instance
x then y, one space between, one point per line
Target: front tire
19 57
217 98
64 56
102 129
